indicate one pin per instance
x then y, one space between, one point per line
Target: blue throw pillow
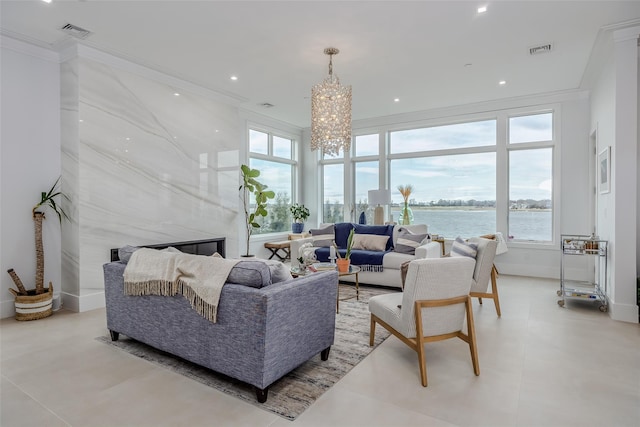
342 233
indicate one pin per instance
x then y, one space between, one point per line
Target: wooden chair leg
423 363
372 331
420 345
494 289
471 331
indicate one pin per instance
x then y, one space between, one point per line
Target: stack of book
322 266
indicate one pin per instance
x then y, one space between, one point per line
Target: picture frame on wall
604 171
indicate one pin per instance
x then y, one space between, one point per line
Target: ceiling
428 54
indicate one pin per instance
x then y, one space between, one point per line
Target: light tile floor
541 365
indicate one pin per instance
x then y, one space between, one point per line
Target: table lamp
378 198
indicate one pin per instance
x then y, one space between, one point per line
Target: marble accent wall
147 166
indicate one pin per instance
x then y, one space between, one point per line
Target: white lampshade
379 197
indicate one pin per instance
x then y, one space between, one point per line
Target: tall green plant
252 187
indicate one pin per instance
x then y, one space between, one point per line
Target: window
491 172
455 195
452 170
531 177
460 135
333 193
531 128
273 156
366 174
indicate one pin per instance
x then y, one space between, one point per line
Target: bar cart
582 245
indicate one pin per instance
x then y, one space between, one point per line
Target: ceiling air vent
536 50
77 32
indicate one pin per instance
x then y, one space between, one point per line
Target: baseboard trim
623 312
528 270
83 303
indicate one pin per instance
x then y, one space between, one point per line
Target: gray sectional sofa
263 330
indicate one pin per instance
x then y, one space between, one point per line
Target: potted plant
36 303
299 213
344 262
252 187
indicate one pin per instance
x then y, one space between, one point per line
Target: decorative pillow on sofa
323 236
253 273
378 230
462 248
370 242
408 241
279 271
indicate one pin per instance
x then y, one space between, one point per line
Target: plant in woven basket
47 201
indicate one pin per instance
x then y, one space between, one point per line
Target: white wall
144 165
30 163
614 114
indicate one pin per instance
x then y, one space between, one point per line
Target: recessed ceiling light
502 82
47 1
234 78
482 9
396 100
468 64
176 94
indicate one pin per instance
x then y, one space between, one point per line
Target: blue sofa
388 273
263 330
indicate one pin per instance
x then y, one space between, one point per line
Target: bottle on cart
592 243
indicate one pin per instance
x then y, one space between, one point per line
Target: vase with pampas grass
406 215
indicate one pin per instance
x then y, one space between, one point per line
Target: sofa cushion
393 260
279 270
342 233
370 242
461 248
323 237
408 242
253 273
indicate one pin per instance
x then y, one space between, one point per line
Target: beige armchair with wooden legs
484 271
433 306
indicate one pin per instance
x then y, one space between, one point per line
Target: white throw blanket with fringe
198 278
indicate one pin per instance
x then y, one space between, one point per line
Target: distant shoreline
464 208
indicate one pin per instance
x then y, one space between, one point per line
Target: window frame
501 148
294 162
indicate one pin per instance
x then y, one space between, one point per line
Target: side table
276 247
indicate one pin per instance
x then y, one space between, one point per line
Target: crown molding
16 43
473 108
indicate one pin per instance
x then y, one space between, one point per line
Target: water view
534 224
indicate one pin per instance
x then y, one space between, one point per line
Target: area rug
296 391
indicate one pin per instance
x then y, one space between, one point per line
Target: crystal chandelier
331 113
